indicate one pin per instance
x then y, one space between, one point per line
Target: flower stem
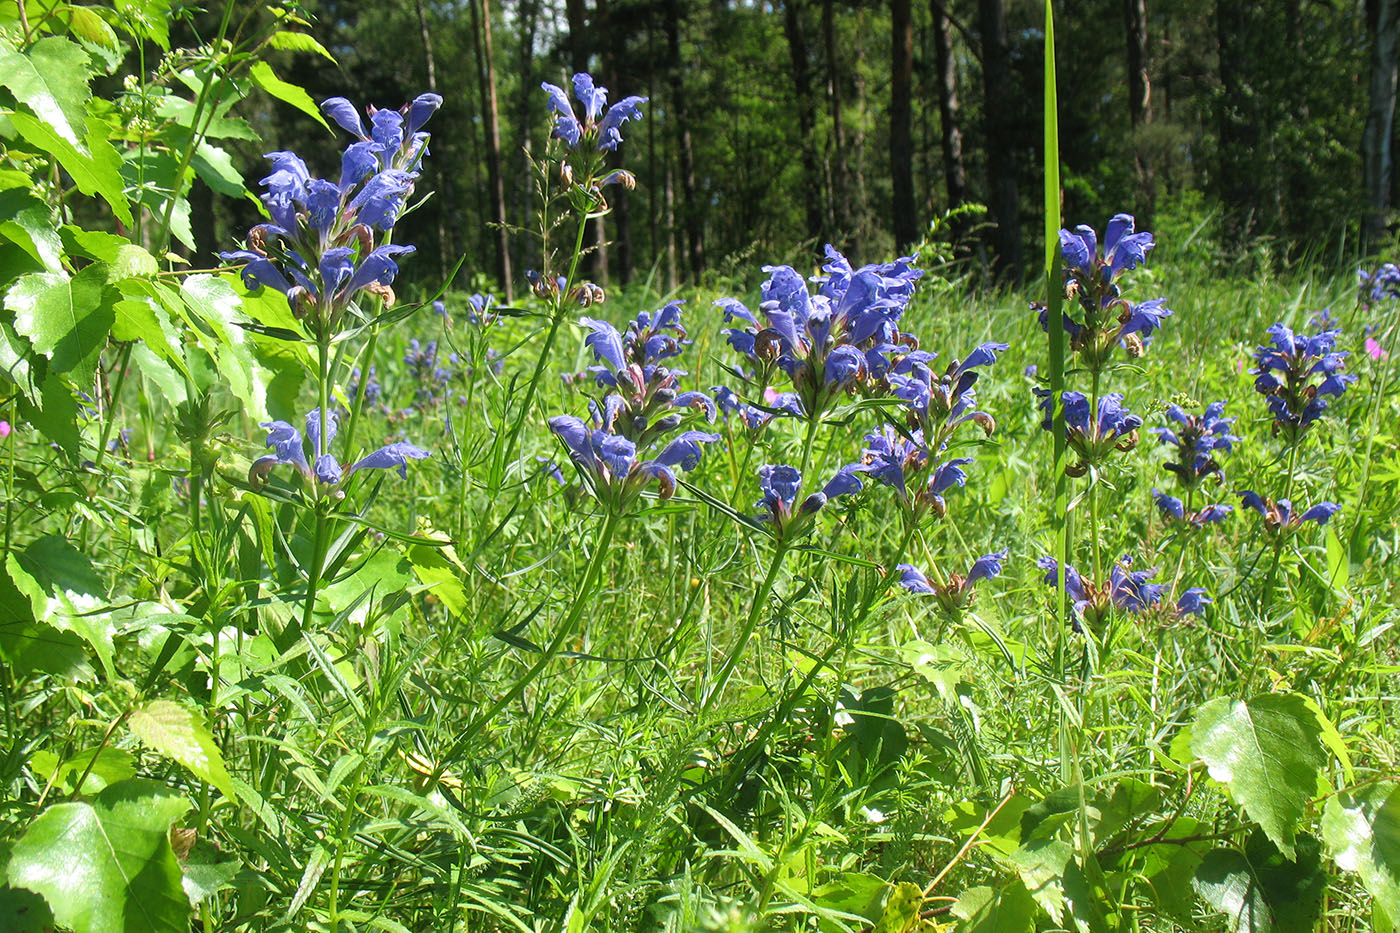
759 599
586 587
1266 598
1094 491
318 541
807 444
359 401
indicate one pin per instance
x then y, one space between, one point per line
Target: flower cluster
1174 510
1093 436
1126 589
608 462
955 596
754 417
324 472
318 247
781 485
1091 274
939 404
1296 374
828 342
644 399
601 125
1197 439
1380 285
1279 516
902 462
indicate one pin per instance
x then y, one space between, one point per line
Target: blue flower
1130 590
1126 589
903 463
1280 516
600 124
324 470
609 461
938 405
1198 439
1295 374
781 485
956 595
827 342
1193 602
1174 510
1093 436
1381 285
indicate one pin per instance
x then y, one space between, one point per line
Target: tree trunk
1238 172
1380 121
522 178
906 225
999 101
806 118
840 220
486 78
430 61
1140 103
950 128
691 209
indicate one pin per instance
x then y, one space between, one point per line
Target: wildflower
753 417
781 484
1374 349
1126 589
1091 276
1112 427
482 309
903 463
373 390
1296 374
644 394
601 125
4 429
324 471
938 405
826 343
1193 602
956 595
1279 516
1380 285
1174 510
1197 439
609 462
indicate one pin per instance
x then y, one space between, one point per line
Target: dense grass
839 754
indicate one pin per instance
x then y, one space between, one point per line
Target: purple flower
1295 374
1093 436
781 485
1198 439
956 595
610 465
1280 515
939 404
324 471
600 124
1193 602
1174 510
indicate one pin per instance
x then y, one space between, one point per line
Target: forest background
772 129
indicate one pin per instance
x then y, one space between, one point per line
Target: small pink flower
1239 366
770 396
4 429
1374 349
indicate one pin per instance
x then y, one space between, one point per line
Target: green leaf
1362 832
206 873
85 23
439 568
64 592
1056 881
214 307
107 766
19 364
299 42
264 77
178 734
901 913
1009 909
67 320
216 168
52 81
131 261
55 412
1338 563
149 19
28 223
1260 890
24 911
1268 751
96 171
107 866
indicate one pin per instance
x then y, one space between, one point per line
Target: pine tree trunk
1377 155
806 117
1140 103
490 112
906 227
691 208
997 79
445 247
521 177
1239 156
840 188
949 117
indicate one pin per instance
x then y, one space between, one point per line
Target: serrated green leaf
51 79
1268 751
214 306
214 166
299 42
1056 881
264 77
24 911
148 19
96 171
1362 832
87 24
1260 890
901 913
66 319
103 766
178 734
107 866
64 592
1009 909
55 411
207 872
19 364
28 223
